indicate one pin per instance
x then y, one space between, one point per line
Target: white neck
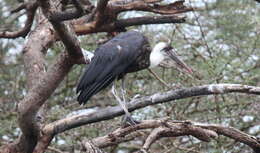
156 56
87 54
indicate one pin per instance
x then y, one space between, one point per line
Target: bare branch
167 128
150 6
148 20
40 92
235 134
100 11
70 14
109 15
91 148
109 113
123 23
178 129
118 135
43 144
31 8
18 8
158 78
65 31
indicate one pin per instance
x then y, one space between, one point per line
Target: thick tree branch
109 15
151 6
40 92
100 11
148 20
168 128
33 56
64 31
235 134
109 113
123 23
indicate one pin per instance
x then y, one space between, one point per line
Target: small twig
18 8
159 79
30 12
203 132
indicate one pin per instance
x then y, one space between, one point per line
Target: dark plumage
127 52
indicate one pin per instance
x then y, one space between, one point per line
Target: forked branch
30 8
168 128
169 96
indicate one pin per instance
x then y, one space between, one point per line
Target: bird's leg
127 118
123 91
122 103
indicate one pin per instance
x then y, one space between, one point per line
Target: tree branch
151 6
33 56
40 92
71 14
161 128
148 20
109 113
30 8
235 134
64 31
109 15
123 23
100 11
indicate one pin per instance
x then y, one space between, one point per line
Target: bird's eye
167 48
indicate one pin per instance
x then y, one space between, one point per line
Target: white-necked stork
125 53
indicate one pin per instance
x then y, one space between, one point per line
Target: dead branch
148 20
158 78
235 134
64 31
43 143
118 135
70 14
109 113
150 6
30 8
161 128
91 148
100 12
120 25
111 23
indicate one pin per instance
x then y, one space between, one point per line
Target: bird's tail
87 93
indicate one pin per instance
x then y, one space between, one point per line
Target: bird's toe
128 120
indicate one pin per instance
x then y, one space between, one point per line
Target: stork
125 53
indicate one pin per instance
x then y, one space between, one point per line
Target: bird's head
163 52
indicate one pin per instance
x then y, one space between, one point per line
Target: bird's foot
128 120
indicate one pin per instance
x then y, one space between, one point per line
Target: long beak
173 55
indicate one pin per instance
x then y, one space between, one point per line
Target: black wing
109 61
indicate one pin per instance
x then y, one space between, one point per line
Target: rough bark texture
158 98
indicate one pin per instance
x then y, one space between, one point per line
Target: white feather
87 54
156 56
